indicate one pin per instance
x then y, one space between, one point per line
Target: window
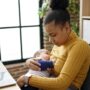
20 34
86 30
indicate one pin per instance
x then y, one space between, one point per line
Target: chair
86 84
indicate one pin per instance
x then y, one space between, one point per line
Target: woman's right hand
32 64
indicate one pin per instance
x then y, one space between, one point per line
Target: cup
1 75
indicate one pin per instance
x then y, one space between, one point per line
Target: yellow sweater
71 66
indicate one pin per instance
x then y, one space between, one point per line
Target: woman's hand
32 64
20 81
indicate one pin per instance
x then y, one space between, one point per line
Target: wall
17 70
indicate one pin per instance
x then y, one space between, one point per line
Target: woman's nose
50 40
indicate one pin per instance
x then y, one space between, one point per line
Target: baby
43 57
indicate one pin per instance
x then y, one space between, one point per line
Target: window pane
10 44
9 13
86 30
29 12
31 41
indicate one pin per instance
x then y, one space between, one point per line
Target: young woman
71 54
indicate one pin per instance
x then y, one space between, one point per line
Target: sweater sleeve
76 57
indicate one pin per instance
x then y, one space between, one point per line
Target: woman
71 54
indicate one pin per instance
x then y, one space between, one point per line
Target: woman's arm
75 60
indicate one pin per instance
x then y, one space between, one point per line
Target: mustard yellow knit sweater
71 65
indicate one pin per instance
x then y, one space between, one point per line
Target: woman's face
58 34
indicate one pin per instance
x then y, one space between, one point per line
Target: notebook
6 80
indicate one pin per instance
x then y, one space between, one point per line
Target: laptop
6 80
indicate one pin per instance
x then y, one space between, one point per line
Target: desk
14 87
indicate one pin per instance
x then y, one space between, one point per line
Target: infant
43 57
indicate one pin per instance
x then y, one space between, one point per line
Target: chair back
86 84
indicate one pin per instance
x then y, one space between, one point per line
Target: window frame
41 35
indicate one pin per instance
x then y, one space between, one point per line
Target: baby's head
43 54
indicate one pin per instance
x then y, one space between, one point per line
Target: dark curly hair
58 12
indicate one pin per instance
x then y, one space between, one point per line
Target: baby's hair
37 53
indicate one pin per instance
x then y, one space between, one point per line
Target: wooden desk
14 87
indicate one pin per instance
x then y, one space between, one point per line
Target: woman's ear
67 27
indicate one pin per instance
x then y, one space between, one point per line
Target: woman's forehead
51 27
50 31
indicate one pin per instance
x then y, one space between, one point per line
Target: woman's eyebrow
50 34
